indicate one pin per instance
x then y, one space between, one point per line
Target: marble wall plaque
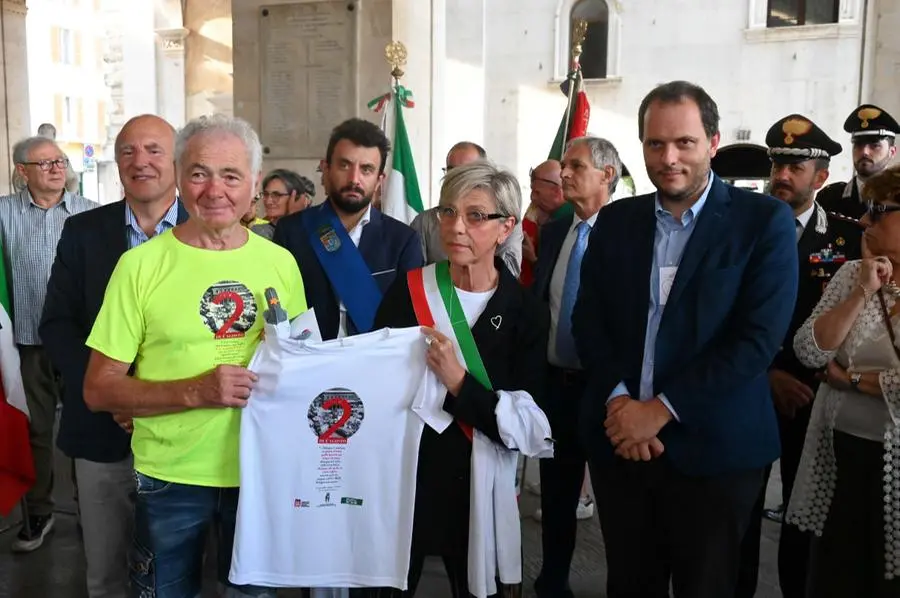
308 75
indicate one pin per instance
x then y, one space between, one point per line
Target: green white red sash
434 299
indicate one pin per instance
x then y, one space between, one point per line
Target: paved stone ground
57 569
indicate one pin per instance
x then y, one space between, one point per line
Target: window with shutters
66 46
101 121
68 112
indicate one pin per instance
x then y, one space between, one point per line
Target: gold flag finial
579 31
395 53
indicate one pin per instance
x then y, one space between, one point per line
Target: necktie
565 343
799 226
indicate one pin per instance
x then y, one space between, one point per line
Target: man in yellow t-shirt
185 311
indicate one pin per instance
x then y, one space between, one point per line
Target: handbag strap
887 322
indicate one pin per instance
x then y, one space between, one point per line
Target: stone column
208 67
413 24
170 75
881 87
15 114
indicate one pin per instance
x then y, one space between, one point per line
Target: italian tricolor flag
578 111
16 465
401 198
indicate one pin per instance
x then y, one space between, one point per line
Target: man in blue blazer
349 252
590 172
685 298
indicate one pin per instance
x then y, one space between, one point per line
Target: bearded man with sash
349 252
486 340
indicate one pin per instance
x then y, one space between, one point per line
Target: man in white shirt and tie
591 168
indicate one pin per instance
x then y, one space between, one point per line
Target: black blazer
832 199
89 249
515 357
561 410
843 239
389 247
553 235
726 317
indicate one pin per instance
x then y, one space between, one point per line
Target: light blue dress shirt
669 242
136 234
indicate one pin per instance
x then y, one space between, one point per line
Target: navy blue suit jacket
553 235
89 249
389 247
725 318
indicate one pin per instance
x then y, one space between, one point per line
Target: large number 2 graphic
328 436
221 298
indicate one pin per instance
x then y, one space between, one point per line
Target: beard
694 187
350 205
796 198
866 167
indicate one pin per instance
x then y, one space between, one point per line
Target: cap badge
795 127
867 114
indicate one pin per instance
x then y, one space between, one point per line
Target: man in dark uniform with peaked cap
872 131
800 153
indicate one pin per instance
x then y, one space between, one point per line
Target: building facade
489 70
65 82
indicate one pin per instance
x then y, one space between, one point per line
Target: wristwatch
855 377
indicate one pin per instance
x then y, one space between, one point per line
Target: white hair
221 123
603 153
22 149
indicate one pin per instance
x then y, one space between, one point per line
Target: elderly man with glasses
31 223
547 203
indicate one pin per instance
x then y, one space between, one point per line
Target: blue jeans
172 523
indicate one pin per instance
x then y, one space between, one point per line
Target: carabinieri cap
871 121
796 138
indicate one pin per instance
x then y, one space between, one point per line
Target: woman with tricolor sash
486 341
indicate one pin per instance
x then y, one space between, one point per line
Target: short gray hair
24 147
482 174
221 123
603 153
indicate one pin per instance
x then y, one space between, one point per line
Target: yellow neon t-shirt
177 312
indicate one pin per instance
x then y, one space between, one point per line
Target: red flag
16 464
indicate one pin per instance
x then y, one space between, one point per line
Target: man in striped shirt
31 222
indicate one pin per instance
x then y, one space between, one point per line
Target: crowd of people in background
679 343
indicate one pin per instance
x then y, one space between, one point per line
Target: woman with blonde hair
848 485
486 342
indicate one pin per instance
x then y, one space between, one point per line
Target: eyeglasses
276 195
446 169
877 210
537 178
472 217
46 165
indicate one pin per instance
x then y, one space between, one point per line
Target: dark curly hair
361 133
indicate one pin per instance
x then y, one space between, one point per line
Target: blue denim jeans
172 524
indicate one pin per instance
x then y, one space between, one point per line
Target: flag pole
579 31
395 53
